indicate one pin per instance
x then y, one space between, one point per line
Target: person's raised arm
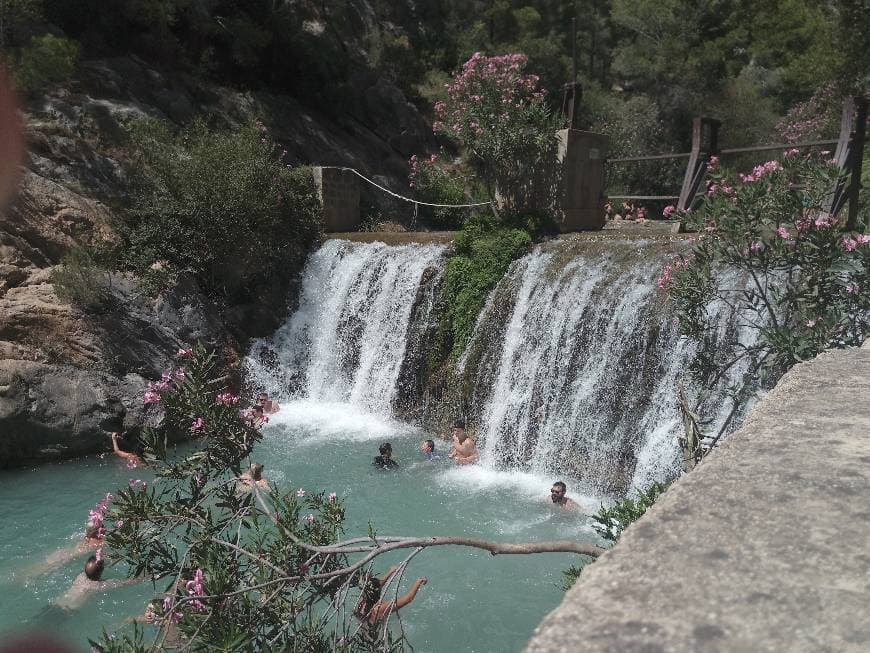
408 596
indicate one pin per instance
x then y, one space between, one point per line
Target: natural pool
473 601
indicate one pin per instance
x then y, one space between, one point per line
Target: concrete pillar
581 156
338 192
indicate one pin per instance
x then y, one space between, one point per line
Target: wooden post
849 155
702 149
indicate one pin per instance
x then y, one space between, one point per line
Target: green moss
484 251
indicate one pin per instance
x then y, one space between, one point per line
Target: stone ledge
764 547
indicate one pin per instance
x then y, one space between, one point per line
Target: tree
770 252
240 567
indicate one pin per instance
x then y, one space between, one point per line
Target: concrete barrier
764 547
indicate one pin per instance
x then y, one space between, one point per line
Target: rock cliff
68 377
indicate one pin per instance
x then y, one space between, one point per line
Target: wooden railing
848 155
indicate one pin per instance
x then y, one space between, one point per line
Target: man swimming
558 496
464 448
88 582
385 460
428 449
269 406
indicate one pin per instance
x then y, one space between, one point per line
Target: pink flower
862 239
185 353
179 375
713 163
310 518
98 554
792 152
151 396
195 588
227 399
782 232
852 288
825 221
756 246
198 424
331 497
812 323
300 493
849 244
120 523
131 464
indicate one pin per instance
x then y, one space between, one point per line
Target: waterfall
347 339
576 361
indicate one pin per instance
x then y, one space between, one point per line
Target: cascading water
346 342
583 375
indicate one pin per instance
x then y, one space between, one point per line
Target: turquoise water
473 601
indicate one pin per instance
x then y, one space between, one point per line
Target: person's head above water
92 529
386 450
459 430
93 568
256 471
262 398
558 491
428 446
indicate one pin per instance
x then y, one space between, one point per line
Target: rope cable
402 197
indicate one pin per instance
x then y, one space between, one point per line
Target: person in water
269 406
385 460
92 539
89 582
558 495
132 459
254 476
464 448
428 449
371 608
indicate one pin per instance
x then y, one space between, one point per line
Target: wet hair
561 485
257 408
262 395
459 423
371 594
256 471
91 528
384 448
431 445
94 568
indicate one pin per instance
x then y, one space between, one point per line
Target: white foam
316 421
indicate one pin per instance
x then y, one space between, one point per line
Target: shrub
611 522
484 251
500 117
80 280
435 182
806 279
48 60
218 203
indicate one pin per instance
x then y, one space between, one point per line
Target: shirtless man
132 459
89 581
89 542
254 476
269 406
557 496
464 448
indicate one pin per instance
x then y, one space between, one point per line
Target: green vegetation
806 272
48 60
611 522
484 250
219 204
82 281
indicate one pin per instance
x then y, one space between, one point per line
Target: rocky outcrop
69 377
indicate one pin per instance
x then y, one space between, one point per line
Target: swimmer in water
370 608
558 496
464 448
88 582
132 459
385 460
254 476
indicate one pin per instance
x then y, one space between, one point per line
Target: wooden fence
848 155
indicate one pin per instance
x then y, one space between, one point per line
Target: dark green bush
218 204
47 60
80 280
